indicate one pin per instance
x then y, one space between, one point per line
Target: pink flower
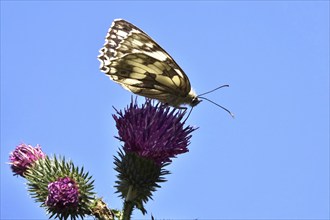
23 157
153 131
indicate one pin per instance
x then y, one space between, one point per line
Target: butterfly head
195 101
193 98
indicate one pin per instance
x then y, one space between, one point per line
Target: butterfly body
136 62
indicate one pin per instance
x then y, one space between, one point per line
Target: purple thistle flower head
23 157
63 194
153 131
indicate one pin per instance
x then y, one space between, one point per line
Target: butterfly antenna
212 90
232 115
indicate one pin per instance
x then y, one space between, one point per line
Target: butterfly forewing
135 61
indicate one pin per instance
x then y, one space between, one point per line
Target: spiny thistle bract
138 178
62 188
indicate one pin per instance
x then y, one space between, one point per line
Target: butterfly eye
195 101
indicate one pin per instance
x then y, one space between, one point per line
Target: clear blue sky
270 162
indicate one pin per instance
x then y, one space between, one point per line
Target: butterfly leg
187 115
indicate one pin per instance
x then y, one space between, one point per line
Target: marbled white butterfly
131 58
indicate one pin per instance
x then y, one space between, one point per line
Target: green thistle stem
128 204
127 210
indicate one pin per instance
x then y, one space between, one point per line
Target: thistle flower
152 136
153 131
23 157
62 188
63 194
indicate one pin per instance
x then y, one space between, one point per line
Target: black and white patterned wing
135 61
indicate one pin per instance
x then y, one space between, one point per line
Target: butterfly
135 61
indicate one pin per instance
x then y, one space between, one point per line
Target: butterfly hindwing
146 76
